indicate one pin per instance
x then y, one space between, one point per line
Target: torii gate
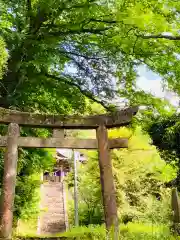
58 123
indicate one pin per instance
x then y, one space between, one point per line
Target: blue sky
151 82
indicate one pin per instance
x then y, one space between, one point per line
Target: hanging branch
86 93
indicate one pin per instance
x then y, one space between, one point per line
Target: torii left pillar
9 181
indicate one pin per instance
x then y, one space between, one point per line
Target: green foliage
27 196
140 178
90 232
30 166
90 207
164 132
142 231
62 51
31 163
3 57
130 231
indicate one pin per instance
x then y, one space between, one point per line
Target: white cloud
173 98
151 86
152 83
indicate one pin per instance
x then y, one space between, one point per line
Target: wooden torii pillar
106 177
99 122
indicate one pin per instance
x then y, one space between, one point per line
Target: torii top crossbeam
115 119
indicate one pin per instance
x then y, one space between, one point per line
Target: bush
131 231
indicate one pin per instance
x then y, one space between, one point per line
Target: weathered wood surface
176 211
116 119
76 205
9 181
175 206
107 182
58 133
33 142
65 202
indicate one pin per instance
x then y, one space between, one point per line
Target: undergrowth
131 231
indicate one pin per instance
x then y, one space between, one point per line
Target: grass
131 231
27 228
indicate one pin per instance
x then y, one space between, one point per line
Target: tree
67 50
165 133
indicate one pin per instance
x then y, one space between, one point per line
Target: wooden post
65 206
62 173
76 211
107 182
176 211
9 181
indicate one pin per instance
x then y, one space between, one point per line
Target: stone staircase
53 217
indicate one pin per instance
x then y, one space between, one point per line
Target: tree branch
71 31
42 17
103 21
29 8
80 55
176 38
79 5
29 15
84 92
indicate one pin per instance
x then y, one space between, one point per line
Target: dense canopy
64 50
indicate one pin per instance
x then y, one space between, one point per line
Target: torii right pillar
107 181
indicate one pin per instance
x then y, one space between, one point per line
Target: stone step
51 193
53 219
53 200
53 186
56 206
52 190
53 229
54 225
53 214
49 209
